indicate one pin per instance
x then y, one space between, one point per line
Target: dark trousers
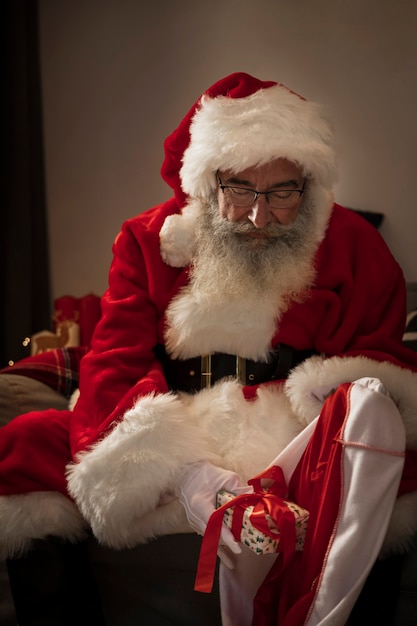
153 584
59 584
52 585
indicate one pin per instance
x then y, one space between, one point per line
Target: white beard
240 286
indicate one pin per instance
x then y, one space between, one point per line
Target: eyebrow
286 183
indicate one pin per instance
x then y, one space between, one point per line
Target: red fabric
409 479
65 308
237 85
343 315
287 593
85 311
89 312
351 311
35 451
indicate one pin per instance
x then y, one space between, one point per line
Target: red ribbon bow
265 501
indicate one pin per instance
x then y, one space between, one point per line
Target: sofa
47 380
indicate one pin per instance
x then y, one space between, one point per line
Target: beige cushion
20 394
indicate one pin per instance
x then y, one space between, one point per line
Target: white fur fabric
126 485
236 133
26 517
309 384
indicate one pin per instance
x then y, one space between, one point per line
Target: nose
260 215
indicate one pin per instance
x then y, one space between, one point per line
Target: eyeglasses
243 197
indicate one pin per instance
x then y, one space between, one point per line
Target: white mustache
270 230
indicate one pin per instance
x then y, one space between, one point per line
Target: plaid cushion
59 369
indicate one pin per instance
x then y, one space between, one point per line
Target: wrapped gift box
256 540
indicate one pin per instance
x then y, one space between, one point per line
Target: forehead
277 169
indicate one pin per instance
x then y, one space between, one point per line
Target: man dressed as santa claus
250 324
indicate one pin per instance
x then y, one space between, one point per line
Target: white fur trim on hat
236 133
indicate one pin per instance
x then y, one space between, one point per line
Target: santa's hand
198 487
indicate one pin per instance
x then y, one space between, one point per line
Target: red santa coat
118 455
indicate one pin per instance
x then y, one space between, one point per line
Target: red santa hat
241 122
237 123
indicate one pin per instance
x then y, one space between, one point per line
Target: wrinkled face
238 202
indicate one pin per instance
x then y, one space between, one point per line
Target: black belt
194 374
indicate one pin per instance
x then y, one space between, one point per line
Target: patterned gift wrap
253 538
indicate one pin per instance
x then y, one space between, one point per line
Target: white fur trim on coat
126 486
311 382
